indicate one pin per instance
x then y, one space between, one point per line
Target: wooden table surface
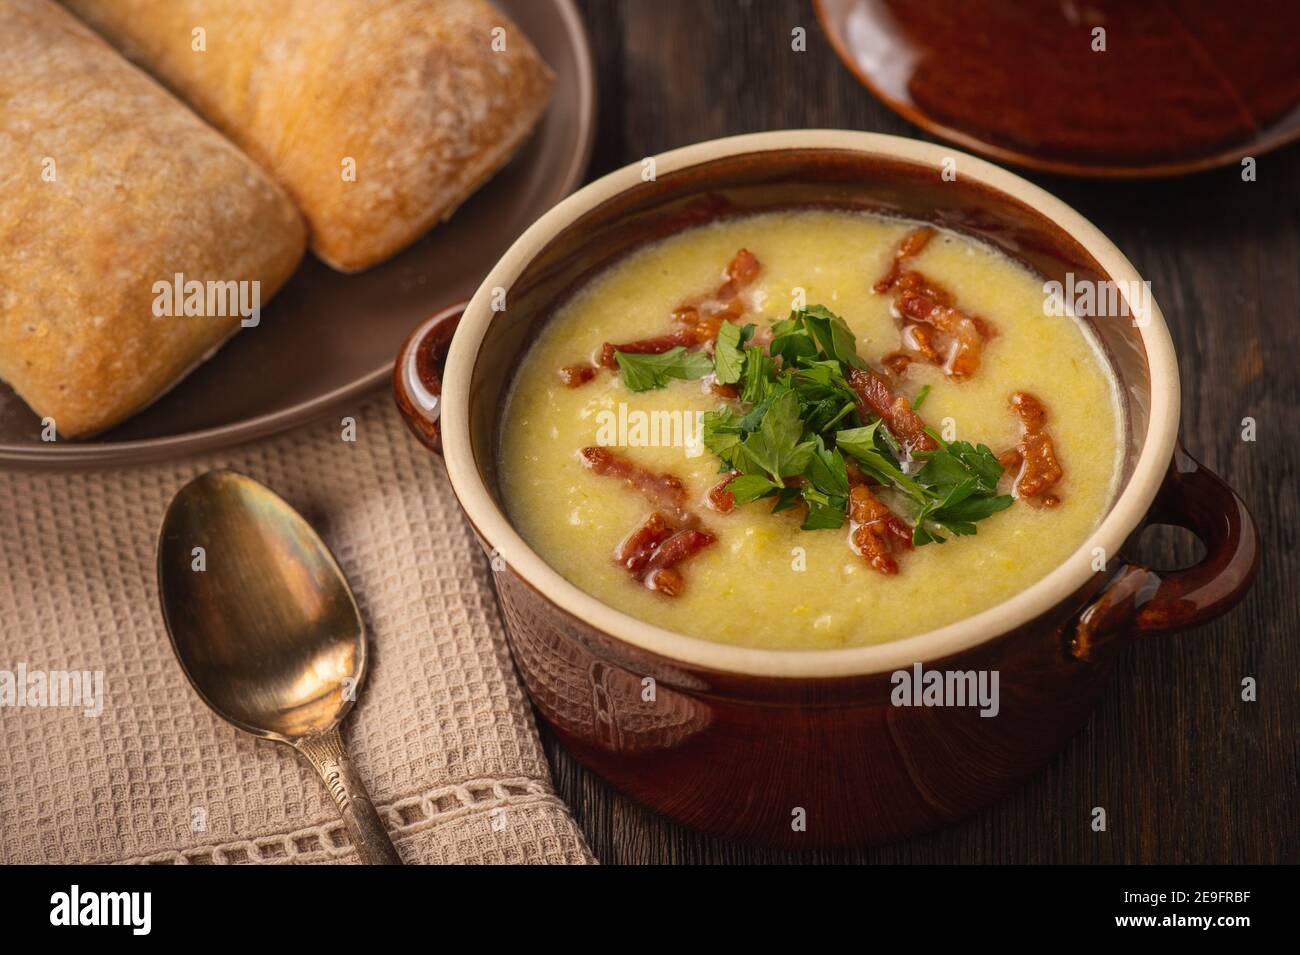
1187 771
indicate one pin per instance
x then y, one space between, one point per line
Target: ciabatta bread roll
111 189
378 116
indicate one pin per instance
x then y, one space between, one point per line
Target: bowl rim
1132 504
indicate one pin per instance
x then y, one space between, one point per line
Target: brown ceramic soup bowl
804 748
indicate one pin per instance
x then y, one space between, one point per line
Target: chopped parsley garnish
647 372
803 422
729 352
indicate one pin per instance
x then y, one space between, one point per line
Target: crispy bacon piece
855 474
654 548
661 490
651 552
967 342
574 376
877 531
1041 471
913 282
1035 456
920 340
635 550
918 344
928 311
720 497
912 245
966 333
1032 412
741 272
681 546
665 580
699 320
916 284
895 410
897 362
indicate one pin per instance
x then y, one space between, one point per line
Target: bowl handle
417 375
1139 601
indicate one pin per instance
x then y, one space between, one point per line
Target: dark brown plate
1182 85
329 338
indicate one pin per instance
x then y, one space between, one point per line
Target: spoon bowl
267 630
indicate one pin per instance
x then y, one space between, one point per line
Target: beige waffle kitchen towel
442 733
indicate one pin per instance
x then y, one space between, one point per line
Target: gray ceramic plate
328 338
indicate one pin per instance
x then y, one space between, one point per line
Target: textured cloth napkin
442 733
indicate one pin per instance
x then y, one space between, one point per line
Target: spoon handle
325 752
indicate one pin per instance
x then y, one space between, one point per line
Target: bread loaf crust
415 94
108 185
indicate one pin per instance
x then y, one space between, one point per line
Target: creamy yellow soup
766 583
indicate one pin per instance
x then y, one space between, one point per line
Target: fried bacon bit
661 490
895 410
720 497
919 339
929 306
652 551
897 362
699 320
635 550
1035 457
1032 412
683 545
876 530
927 311
665 580
575 376
912 245
741 272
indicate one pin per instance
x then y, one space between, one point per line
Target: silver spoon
267 630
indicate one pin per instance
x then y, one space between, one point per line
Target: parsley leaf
647 372
957 512
775 447
750 487
864 444
787 498
827 471
961 480
827 491
759 371
722 433
792 342
833 335
973 509
825 517
959 461
729 354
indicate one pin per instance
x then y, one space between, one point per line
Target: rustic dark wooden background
1187 771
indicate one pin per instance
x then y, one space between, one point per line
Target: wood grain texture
1186 771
